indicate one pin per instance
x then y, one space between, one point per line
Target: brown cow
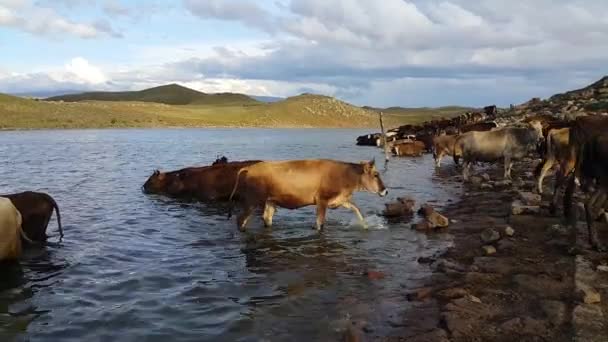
298 183
36 210
479 127
207 183
409 149
443 145
593 167
583 141
556 151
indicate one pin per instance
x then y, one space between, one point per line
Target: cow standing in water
299 183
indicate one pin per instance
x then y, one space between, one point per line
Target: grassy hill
168 94
305 110
419 115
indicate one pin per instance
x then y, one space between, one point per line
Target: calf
443 145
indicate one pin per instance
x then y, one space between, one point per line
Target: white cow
10 230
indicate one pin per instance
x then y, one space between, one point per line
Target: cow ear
372 162
156 172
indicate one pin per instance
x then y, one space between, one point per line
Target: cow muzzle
383 193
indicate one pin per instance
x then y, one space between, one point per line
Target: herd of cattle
578 148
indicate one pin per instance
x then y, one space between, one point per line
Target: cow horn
156 172
373 161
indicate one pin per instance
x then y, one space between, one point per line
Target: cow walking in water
299 183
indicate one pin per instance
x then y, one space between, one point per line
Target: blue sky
385 53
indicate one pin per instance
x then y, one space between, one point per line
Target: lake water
136 267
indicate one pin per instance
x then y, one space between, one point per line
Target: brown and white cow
443 145
207 183
556 152
298 183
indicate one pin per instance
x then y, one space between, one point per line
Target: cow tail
57 213
231 198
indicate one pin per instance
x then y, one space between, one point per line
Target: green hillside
172 94
299 111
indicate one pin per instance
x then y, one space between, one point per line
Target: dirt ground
528 290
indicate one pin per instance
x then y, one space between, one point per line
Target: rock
490 235
425 210
509 231
503 183
443 265
489 249
558 229
529 174
602 268
474 299
529 198
422 226
476 180
453 221
555 311
374 275
420 294
486 186
437 220
402 207
505 245
587 294
436 335
453 293
518 208
485 177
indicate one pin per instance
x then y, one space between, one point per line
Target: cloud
115 8
247 12
45 21
86 72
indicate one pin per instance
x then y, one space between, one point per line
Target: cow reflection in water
299 183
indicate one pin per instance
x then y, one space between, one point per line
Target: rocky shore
514 272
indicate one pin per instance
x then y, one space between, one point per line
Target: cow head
538 127
370 179
156 182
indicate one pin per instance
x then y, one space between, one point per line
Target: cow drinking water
298 183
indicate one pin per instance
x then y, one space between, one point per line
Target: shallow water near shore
136 267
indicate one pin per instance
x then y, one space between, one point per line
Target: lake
137 267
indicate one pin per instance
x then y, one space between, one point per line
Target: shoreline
180 128
542 283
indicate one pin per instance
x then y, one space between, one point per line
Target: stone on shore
509 231
489 250
529 198
518 208
490 235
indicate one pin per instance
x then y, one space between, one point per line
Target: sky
379 53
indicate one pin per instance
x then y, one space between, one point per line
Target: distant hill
267 99
172 94
590 99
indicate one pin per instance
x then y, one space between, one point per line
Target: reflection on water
140 267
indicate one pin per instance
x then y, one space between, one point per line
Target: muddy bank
509 277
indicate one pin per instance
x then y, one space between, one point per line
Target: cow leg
438 157
508 165
466 170
269 210
351 206
243 218
548 163
597 197
321 210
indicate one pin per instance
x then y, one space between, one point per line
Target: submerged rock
434 218
402 207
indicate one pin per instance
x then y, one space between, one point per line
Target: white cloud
84 71
45 21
